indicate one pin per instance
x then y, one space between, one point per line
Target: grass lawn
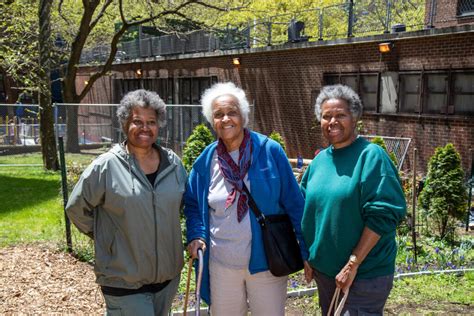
32 207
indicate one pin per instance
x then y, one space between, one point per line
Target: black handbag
279 240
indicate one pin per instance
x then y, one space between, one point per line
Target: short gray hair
221 89
339 91
144 99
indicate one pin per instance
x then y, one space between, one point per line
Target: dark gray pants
146 304
366 297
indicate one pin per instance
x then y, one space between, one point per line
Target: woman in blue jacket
218 218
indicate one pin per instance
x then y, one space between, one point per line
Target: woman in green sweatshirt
354 202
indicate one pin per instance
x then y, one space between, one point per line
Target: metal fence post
388 19
471 184
350 19
269 29
432 14
321 16
62 162
413 219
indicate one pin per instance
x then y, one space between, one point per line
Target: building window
436 94
465 7
433 92
388 92
351 81
463 93
365 85
409 94
368 92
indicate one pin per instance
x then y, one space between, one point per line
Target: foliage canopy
277 137
195 144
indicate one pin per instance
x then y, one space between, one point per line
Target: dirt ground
34 279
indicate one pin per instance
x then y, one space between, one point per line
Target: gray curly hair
144 99
339 91
221 89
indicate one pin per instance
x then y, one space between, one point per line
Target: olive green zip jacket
135 226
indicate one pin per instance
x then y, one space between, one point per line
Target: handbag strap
258 214
335 299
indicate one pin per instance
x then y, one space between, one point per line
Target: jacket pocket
105 236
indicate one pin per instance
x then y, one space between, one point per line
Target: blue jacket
273 187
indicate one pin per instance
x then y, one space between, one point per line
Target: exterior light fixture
385 47
86 82
236 61
139 72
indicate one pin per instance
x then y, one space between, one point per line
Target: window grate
465 7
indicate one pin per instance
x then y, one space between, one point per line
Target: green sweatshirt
346 190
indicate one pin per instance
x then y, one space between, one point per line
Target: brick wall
445 14
283 82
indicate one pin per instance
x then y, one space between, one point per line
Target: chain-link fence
97 123
396 145
19 124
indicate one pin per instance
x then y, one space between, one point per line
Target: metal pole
181 130
351 19
413 220
321 16
470 183
254 40
247 36
23 130
469 207
269 38
432 12
62 162
388 17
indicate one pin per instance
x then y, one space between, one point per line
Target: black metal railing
366 17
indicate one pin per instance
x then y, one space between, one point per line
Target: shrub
277 137
379 141
197 141
443 198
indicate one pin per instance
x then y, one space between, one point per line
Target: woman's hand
194 246
308 272
346 276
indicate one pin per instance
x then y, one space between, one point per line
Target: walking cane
188 281
198 282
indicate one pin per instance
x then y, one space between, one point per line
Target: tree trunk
48 141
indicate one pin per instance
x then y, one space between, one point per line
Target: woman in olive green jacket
128 200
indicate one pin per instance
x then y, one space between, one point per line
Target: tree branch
126 25
101 13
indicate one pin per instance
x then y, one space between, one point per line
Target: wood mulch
35 279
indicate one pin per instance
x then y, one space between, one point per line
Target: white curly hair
221 89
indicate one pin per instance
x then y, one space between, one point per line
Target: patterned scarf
235 174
